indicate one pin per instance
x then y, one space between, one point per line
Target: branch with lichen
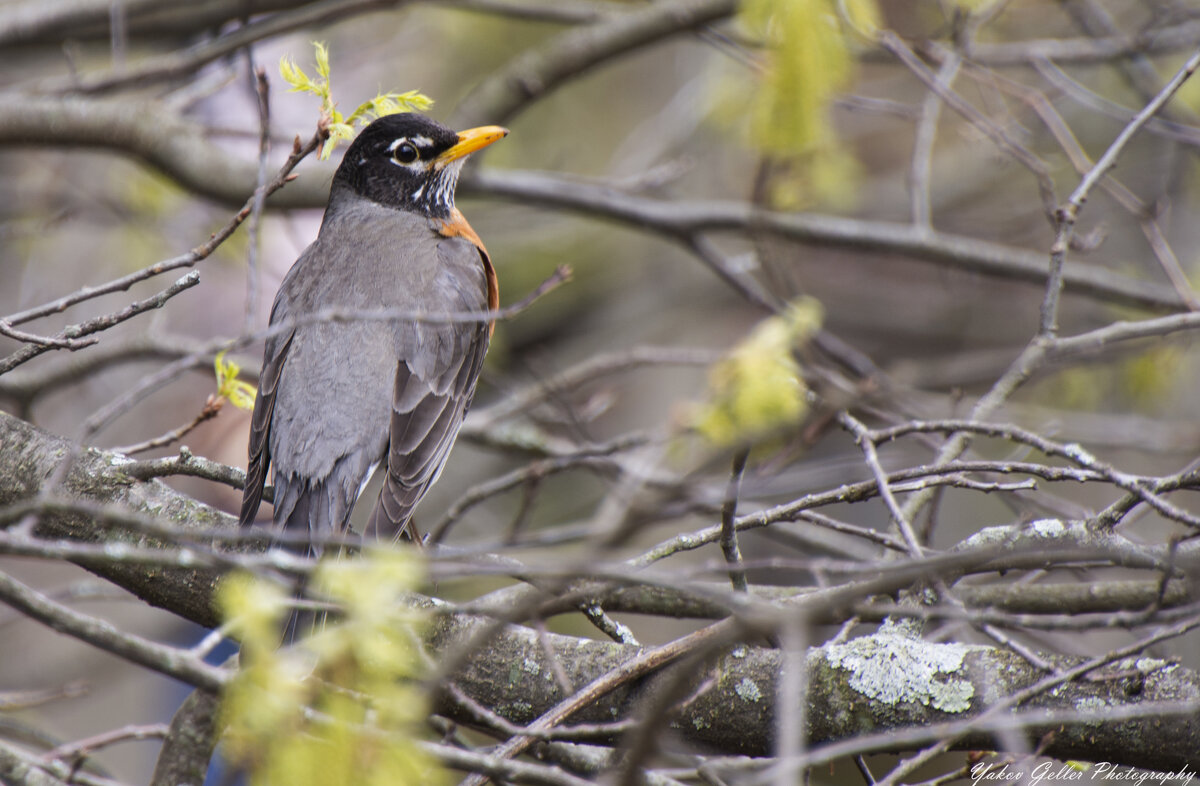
914 688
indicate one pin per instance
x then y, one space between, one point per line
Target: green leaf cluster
809 59
238 392
341 127
342 706
757 389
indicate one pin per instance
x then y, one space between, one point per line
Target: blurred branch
190 741
1168 129
179 149
150 131
38 22
998 135
1170 37
184 64
1047 606
682 219
537 72
101 634
80 750
566 12
35 22
1097 22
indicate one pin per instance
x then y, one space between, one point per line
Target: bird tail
306 507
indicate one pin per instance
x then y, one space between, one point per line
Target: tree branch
733 716
181 151
575 52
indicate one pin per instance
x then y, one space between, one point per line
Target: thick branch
853 686
152 133
31 456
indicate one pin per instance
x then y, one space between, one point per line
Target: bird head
411 162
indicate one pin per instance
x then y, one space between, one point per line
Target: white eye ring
404 152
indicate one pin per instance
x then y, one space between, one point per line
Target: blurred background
678 122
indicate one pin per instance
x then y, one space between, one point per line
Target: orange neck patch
457 226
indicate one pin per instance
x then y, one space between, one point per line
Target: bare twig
30 351
212 407
259 75
729 543
1066 216
83 749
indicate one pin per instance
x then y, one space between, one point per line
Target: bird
340 396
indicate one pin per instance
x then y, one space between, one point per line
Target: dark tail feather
294 514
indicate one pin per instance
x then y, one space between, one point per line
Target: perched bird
339 396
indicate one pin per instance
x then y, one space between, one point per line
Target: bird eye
405 153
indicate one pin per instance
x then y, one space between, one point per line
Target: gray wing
260 425
434 384
321 415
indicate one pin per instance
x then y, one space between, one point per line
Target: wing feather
260 429
430 399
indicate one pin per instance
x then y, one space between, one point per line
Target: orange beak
469 141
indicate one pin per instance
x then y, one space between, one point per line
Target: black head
411 162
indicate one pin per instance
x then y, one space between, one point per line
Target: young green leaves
341 127
237 392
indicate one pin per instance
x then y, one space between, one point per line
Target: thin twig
30 351
919 173
252 228
83 749
1066 216
6 329
999 137
729 539
212 407
866 440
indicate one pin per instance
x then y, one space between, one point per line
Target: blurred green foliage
758 390
809 61
341 706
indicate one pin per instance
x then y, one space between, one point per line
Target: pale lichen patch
748 689
892 669
1047 528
